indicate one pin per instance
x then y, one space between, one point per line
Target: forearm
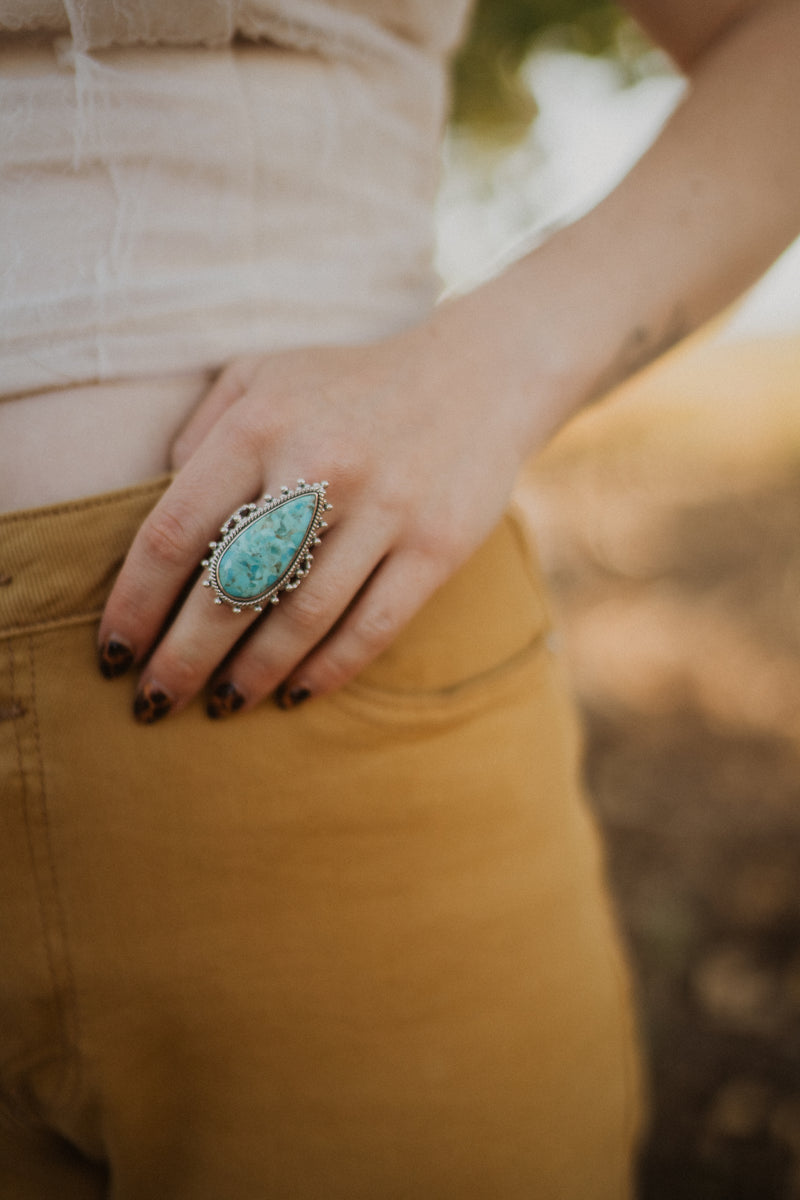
699 218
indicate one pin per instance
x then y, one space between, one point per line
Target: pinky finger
393 596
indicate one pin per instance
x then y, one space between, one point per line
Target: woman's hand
420 447
421 436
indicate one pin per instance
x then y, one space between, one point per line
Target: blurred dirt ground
669 526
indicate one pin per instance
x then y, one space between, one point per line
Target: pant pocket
490 616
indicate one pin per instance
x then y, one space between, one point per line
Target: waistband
59 562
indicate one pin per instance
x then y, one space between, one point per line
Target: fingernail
114 658
225 700
289 697
151 704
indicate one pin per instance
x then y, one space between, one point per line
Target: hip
78 441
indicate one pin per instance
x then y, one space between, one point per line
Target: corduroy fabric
361 949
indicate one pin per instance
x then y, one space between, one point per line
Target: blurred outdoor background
669 524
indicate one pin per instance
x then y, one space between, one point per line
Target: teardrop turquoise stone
264 552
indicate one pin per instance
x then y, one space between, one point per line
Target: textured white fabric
181 183
298 24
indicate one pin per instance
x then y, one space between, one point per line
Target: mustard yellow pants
358 950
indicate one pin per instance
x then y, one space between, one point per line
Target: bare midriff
77 441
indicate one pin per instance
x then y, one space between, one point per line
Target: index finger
169 546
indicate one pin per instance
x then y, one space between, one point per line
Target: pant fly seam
29 837
41 866
71 1082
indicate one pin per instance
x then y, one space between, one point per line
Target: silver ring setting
267 548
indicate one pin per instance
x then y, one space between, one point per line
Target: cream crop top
182 181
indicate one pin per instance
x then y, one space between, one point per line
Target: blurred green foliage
489 95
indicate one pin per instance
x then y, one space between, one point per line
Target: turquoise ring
266 548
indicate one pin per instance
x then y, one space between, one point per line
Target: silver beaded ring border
247 515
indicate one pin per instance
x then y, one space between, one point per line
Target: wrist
493 337
519 336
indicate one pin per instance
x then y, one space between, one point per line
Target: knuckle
246 434
167 536
347 469
442 546
394 496
374 629
129 597
257 667
181 668
309 612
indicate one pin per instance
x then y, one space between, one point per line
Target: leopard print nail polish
151 704
225 700
287 697
115 658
